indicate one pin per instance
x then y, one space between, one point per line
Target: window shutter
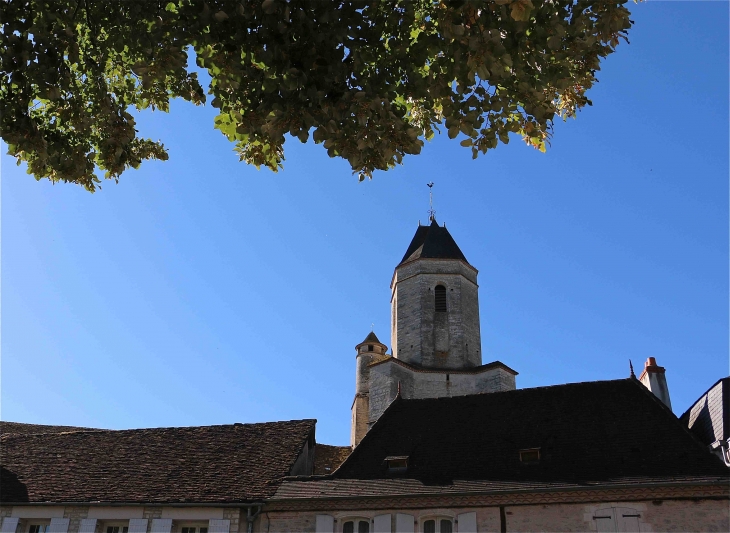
627 519
10 524
604 521
404 523
59 525
325 523
88 525
219 526
138 525
161 525
381 523
466 523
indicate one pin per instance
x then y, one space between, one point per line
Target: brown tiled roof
328 458
29 429
209 464
433 242
323 488
587 432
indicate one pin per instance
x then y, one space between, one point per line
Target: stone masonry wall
415 332
384 379
75 514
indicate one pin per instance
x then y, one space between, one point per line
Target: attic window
440 298
530 456
397 463
370 347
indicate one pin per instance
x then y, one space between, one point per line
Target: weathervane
431 212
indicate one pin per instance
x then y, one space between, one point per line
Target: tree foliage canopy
368 79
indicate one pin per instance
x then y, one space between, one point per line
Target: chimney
653 379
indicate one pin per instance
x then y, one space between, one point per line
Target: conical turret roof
372 337
433 242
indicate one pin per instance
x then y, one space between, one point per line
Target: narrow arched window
440 298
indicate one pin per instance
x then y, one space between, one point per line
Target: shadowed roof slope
209 464
432 242
586 432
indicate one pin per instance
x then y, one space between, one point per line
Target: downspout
251 517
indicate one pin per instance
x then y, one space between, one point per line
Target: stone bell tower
436 343
434 304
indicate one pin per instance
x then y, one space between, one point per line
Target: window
530 456
397 463
440 298
356 526
438 525
117 529
38 528
370 347
617 520
193 529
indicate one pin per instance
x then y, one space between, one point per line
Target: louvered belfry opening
440 296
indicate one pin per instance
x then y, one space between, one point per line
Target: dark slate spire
435 242
372 337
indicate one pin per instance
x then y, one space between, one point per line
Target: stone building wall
687 515
106 514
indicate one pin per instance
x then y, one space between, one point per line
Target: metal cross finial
372 327
431 212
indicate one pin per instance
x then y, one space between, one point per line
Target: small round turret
368 351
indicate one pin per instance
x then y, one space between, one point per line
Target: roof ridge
163 428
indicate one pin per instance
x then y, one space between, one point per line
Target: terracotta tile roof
433 242
29 429
598 433
328 458
209 464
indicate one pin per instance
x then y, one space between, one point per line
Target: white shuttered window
381 523
88 525
466 523
324 523
59 525
161 525
138 525
10 524
404 523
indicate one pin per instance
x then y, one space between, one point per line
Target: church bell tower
435 304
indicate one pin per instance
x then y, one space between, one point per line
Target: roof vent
397 463
530 456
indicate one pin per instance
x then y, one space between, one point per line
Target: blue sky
202 291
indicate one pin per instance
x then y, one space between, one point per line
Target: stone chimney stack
654 379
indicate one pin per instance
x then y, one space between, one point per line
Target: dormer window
440 298
397 463
530 456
